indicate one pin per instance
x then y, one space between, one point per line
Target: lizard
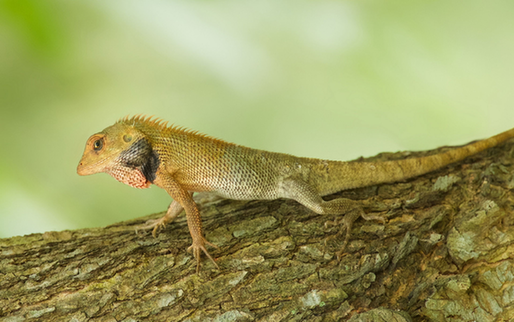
140 151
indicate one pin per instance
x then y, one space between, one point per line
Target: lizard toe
197 248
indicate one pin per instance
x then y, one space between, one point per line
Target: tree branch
445 251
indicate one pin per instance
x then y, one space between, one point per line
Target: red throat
130 176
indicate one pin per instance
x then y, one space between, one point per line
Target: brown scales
141 150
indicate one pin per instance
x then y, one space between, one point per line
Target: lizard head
122 151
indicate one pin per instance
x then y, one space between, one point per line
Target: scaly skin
139 151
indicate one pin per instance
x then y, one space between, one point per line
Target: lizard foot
156 224
346 224
197 248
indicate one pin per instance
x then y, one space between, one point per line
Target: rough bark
444 253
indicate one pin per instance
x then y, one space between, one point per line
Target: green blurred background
327 79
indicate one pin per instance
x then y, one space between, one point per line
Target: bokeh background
327 79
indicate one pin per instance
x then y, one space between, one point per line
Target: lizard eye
98 145
127 138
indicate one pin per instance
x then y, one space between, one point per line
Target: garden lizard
140 151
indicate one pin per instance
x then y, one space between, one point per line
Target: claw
346 225
173 211
197 248
156 224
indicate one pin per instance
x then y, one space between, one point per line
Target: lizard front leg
194 221
174 210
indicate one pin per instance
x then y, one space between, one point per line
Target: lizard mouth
83 170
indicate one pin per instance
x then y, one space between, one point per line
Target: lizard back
203 163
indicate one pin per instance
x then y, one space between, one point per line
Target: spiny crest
162 125
146 120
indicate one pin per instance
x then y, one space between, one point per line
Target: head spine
159 124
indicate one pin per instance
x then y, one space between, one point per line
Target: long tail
336 176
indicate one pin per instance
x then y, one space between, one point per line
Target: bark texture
443 253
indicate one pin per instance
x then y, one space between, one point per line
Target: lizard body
141 151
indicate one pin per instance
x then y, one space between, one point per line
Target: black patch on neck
149 169
141 155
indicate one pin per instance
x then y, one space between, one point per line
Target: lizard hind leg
307 195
